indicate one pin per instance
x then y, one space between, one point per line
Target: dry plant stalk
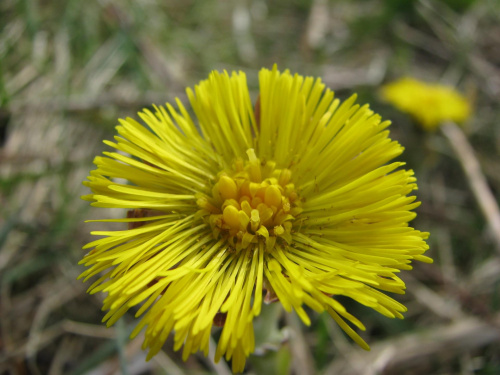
477 181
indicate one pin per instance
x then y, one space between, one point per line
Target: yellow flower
294 200
429 104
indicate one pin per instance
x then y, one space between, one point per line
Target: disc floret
254 202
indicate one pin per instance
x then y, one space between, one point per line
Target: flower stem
475 176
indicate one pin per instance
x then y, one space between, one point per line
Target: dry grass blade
418 350
303 362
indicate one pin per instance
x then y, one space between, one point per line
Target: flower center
253 202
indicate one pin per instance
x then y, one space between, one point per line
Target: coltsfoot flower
430 104
294 200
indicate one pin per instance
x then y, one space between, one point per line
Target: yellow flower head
429 104
294 200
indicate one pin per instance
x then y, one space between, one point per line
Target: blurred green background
69 69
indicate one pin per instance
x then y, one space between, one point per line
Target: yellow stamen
231 217
273 196
259 203
227 188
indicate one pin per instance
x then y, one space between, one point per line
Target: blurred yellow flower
294 200
429 104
